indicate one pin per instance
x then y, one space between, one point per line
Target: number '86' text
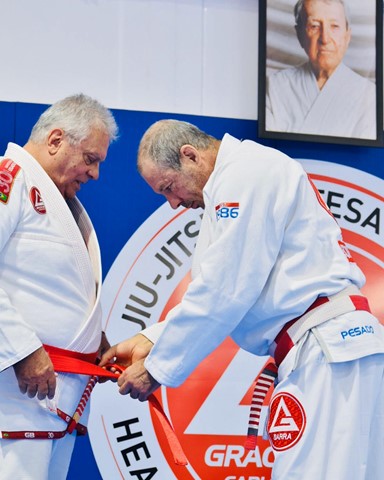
227 210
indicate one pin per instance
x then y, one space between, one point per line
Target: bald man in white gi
322 96
271 270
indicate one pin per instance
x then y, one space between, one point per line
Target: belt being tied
68 361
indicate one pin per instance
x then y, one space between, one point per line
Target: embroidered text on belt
322 310
68 361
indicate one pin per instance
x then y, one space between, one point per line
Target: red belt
68 361
292 331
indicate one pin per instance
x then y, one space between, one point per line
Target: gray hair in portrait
298 11
283 48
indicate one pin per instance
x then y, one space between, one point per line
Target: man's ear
55 140
349 35
187 152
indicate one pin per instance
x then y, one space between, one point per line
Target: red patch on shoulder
8 171
37 201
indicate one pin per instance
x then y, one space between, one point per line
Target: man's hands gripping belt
135 380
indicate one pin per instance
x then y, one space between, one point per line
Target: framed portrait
321 71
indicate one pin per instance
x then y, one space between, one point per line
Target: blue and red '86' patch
8 172
227 210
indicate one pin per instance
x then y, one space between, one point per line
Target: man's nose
93 171
325 34
173 200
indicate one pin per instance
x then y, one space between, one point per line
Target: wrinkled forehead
330 7
157 177
150 171
97 142
145 165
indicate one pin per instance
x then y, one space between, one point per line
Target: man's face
180 187
74 165
324 36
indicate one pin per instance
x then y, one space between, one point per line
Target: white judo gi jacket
50 278
344 107
267 248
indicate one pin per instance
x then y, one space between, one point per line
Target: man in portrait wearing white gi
323 96
272 271
50 280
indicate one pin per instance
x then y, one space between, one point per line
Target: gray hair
76 115
299 16
163 140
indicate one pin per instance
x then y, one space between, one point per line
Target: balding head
163 140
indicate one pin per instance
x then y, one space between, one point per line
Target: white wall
180 56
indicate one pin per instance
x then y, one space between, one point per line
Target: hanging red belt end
250 442
174 444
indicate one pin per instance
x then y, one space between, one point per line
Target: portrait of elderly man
322 96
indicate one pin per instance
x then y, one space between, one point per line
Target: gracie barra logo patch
286 422
37 201
8 172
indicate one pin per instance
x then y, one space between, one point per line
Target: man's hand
131 354
127 352
35 375
137 381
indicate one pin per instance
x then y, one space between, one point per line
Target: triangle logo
287 421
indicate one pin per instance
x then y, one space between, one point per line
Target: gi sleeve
248 204
17 339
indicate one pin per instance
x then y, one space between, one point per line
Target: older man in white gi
271 270
50 278
322 96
